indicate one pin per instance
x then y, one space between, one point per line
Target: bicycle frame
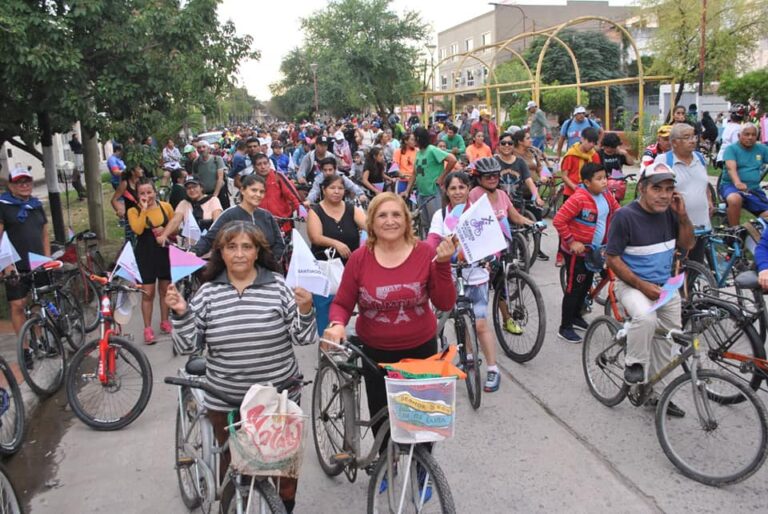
721 273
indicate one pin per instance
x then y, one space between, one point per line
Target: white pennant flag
303 270
126 265
8 253
479 232
190 229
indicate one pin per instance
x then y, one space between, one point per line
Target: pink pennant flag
452 218
37 260
505 229
379 186
302 212
183 263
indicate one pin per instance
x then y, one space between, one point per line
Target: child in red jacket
582 223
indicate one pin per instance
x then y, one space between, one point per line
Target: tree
562 101
109 64
733 30
750 86
598 58
514 103
365 54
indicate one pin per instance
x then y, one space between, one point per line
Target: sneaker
559 260
512 327
492 382
569 334
672 409
542 256
29 358
149 335
166 327
634 374
580 323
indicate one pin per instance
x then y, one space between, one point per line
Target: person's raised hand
175 301
335 333
303 300
762 279
445 249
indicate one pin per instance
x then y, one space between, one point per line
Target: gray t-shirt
691 182
539 124
206 171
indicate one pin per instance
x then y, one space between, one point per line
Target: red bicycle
109 381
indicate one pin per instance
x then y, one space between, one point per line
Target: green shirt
748 163
454 142
206 171
429 166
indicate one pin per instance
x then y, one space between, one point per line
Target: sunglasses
491 175
505 143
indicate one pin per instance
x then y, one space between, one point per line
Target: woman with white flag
250 320
148 220
392 279
456 201
204 209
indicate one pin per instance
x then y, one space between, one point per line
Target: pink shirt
500 206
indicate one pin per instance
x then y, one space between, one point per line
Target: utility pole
313 67
703 47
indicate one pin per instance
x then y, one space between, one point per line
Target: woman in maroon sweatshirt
392 279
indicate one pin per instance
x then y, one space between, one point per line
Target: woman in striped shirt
249 319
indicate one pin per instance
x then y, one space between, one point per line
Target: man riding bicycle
641 246
741 179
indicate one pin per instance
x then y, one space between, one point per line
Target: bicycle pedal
344 458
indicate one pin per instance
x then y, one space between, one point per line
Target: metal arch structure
533 84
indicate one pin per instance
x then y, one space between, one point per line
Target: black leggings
576 289
374 382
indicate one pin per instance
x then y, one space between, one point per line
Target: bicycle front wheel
41 356
122 397
421 486
714 443
86 295
602 358
332 417
533 240
9 500
11 412
188 437
519 319
462 333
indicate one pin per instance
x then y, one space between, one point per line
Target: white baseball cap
339 135
18 173
579 110
530 105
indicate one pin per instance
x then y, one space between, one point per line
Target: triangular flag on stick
191 230
183 263
126 265
303 270
36 260
452 217
8 253
479 232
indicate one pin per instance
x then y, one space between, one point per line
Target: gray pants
429 206
646 343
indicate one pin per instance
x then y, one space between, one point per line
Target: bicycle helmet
486 166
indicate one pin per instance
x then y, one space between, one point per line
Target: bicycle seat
196 366
747 280
48 289
87 236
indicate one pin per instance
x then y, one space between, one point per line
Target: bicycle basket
270 439
421 411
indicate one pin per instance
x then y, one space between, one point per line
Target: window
454 49
485 39
470 78
443 82
469 44
442 53
455 79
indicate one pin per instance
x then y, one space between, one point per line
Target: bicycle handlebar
232 401
348 349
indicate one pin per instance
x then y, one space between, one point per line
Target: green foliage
144 155
130 61
733 30
750 86
365 54
562 101
598 58
514 103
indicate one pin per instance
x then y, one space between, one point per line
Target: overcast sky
275 28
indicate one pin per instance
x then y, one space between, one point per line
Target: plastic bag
333 269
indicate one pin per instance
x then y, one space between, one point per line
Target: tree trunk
92 160
51 177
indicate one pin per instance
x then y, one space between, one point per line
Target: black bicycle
11 411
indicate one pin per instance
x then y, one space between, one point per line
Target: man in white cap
641 247
571 129
539 125
343 152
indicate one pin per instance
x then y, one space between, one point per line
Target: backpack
670 158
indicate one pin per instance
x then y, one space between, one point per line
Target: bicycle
198 454
51 317
288 238
80 286
464 336
525 207
517 298
9 500
725 426
337 427
12 422
552 193
104 368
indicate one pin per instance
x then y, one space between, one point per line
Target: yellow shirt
138 219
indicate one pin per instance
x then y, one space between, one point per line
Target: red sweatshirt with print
576 220
393 303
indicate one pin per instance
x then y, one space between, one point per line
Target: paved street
540 444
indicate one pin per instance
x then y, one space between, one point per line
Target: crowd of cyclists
358 183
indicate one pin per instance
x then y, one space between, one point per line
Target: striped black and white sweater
248 337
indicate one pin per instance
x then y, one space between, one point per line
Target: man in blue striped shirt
641 247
